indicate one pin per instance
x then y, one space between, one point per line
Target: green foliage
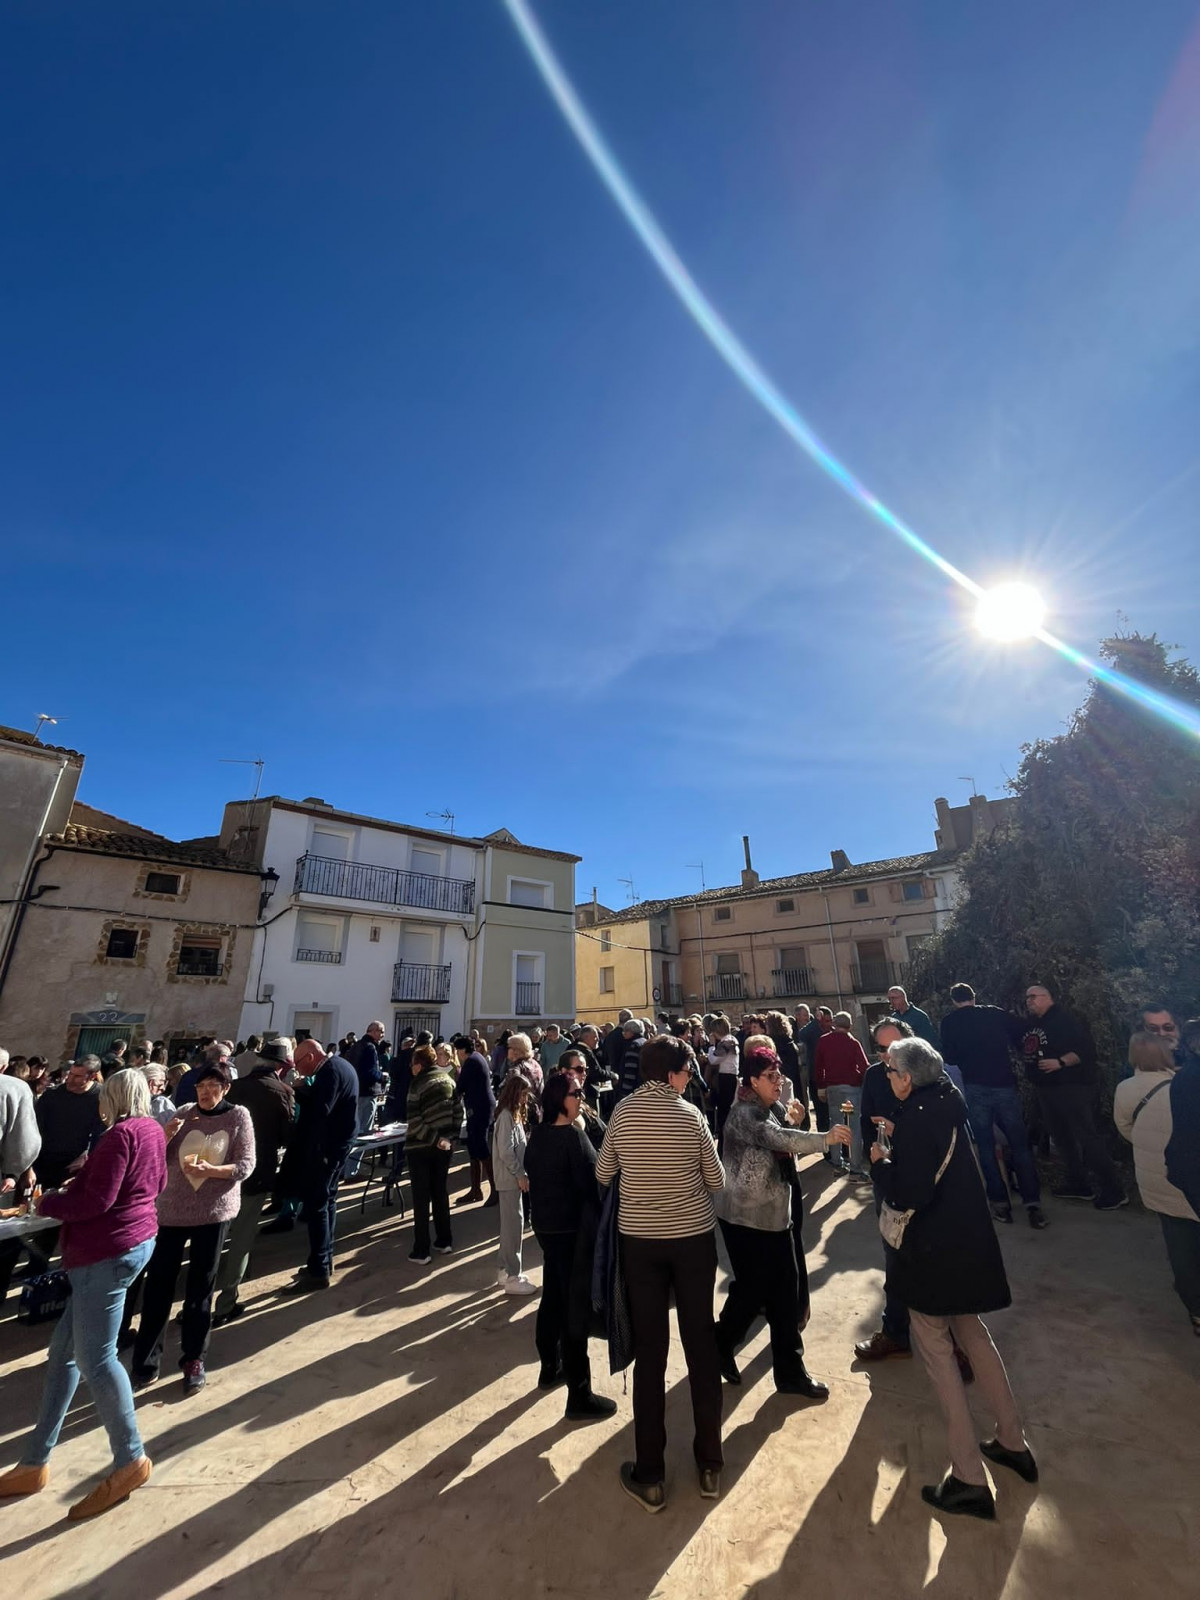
1094 885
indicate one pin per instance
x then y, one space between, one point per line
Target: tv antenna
971 781
258 763
446 816
628 882
43 718
698 866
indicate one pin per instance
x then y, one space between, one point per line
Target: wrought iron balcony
876 977
529 1000
332 958
726 986
389 886
788 981
422 981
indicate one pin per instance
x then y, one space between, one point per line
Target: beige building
127 935
839 936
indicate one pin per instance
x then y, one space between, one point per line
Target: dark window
722 914
862 897
122 944
785 905
162 883
200 958
914 891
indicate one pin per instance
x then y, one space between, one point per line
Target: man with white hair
20 1144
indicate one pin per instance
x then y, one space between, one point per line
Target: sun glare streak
749 373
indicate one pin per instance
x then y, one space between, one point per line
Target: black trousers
159 1293
553 1331
727 1083
654 1269
320 1192
1070 1113
765 1284
428 1173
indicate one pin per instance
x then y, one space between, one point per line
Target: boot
474 1194
584 1406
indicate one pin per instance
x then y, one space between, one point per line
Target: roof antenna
628 882
442 816
698 866
971 781
43 718
258 762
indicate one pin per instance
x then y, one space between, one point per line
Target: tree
1093 886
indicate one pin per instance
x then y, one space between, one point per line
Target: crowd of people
627 1147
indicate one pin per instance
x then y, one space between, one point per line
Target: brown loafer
116 1487
880 1347
24 1480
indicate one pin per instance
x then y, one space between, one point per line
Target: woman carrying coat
947 1269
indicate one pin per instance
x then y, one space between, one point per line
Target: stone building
838 936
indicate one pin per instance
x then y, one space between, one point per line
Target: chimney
749 876
841 861
943 837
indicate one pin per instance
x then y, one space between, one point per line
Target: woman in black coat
947 1269
560 1164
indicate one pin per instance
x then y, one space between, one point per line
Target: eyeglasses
775 1077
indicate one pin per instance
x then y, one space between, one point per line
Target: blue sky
346 422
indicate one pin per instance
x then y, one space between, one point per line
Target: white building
420 929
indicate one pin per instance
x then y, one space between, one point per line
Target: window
605 942
528 968
427 861
729 965
723 914
785 905
914 891
862 897
608 980
162 883
319 939
199 958
330 846
528 892
122 944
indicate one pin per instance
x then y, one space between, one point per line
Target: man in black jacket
364 1058
325 1127
272 1107
1060 1061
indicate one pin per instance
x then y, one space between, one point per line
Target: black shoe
960 1499
589 1407
305 1283
729 1368
710 1483
1071 1191
469 1199
550 1377
1037 1217
194 1377
1113 1203
223 1317
1001 1213
281 1224
804 1384
1019 1461
652 1497
143 1377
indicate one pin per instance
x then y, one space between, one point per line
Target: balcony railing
876 977
422 981
332 958
529 1000
726 986
788 981
357 880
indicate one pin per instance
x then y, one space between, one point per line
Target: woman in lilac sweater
210 1149
109 1223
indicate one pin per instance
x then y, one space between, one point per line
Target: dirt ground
388 1438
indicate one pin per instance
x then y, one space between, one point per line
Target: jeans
765 1283
1070 1113
511 1228
653 1269
367 1105
239 1242
1182 1238
836 1093
429 1173
989 1107
320 1213
159 1293
935 1338
552 1334
84 1344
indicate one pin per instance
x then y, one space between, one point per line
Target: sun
1010 611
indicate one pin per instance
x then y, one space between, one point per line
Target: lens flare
1009 612
748 371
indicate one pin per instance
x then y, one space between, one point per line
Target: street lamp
270 880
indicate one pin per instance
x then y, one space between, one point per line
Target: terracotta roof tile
101 841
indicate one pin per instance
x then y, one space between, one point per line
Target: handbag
893 1222
43 1298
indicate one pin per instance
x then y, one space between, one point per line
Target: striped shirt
668 1163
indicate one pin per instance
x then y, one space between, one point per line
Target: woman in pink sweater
109 1223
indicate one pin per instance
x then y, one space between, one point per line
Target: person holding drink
841 1066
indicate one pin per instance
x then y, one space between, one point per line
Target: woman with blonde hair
509 1138
521 1055
109 1224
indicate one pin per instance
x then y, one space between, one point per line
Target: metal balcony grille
358 880
788 981
529 1000
727 986
422 981
331 958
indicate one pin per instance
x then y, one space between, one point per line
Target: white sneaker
519 1285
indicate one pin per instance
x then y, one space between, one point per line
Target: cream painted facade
634 965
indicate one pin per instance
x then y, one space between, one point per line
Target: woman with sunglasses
560 1165
755 1213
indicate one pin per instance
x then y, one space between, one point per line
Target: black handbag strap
1145 1100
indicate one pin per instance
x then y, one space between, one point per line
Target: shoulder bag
893 1222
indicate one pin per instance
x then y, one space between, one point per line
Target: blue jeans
1002 1108
84 1344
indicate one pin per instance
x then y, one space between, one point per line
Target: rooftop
501 837
19 736
127 841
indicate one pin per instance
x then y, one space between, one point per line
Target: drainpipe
703 971
29 873
837 975
27 895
